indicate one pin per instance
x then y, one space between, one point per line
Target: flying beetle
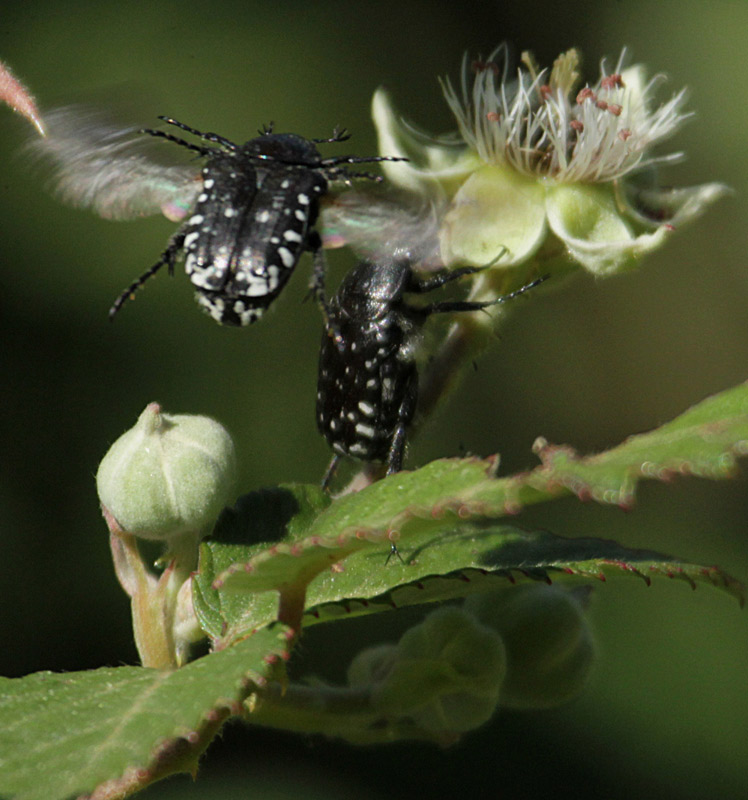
249 211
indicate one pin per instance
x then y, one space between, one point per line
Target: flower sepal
435 166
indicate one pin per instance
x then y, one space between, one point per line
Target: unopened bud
549 645
169 475
372 665
447 675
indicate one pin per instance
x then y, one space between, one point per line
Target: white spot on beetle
367 408
287 257
196 219
213 305
250 315
291 236
365 430
210 183
273 277
303 199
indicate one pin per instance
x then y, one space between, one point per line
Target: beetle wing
220 228
106 168
249 228
379 225
275 231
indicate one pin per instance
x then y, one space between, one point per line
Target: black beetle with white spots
252 220
250 212
249 215
367 389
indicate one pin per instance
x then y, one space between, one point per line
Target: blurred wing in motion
108 169
379 225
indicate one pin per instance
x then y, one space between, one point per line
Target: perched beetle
368 384
253 206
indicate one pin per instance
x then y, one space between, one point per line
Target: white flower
540 123
539 155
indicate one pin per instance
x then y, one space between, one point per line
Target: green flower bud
549 646
372 665
447 674
169 475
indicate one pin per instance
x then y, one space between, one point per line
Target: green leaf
117 730
444 513
458 561
496 556
278 514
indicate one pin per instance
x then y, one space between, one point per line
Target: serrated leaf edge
181 751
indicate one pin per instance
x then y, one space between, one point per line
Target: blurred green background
666 713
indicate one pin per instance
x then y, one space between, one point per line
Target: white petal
496 211
635 82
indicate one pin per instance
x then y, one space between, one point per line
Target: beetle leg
317 287
404 416
422 285
168 257
476 305
332 468
338 135
342 174
209 137
394 464
335 161
397 449
204 151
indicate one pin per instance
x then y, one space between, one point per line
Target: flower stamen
537 123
